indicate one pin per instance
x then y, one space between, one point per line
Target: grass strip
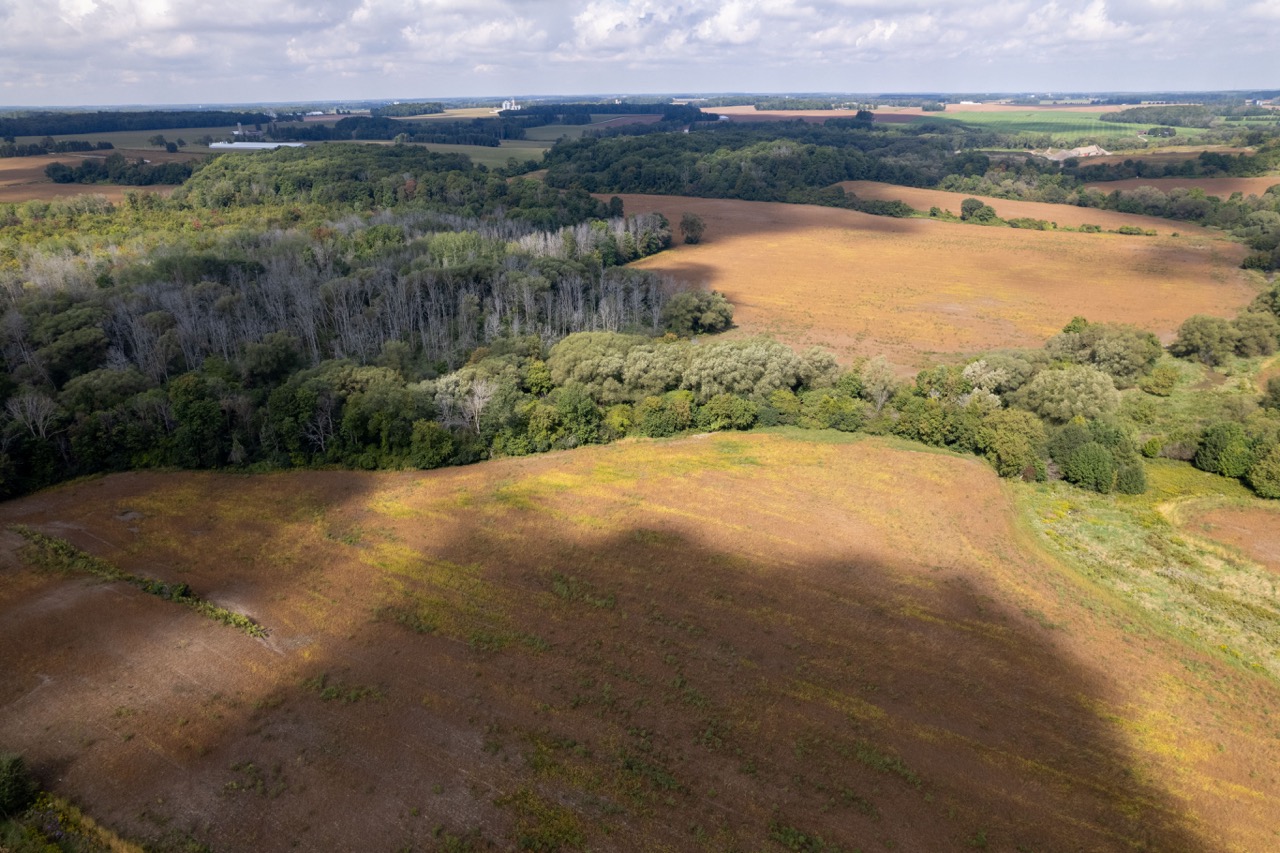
50 552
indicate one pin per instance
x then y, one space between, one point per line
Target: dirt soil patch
918 291
1255 532
1065 215
728 641
1220 187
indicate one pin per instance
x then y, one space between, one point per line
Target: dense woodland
109 121
385 306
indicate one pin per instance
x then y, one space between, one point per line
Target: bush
1257 333
1078 391
430 445
1264 475
1152 446
1131 479
692 227
17 788
1224 449
1012 441
727 411
1271 397
1212 340
1161 381
697 312
1091 466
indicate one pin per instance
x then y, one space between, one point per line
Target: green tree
697 312
1212 340
1264 474
692 228
1012 440
1271 396
1091 466
17 788
1257 333
1224 449
430 445
1077 391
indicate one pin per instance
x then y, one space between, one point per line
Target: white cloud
78 51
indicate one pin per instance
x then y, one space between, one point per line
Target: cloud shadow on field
513 675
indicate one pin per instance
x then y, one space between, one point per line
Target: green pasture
1062 124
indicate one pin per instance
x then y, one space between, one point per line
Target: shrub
1152 446
1091 466
17 788
726 411
1212 340
1224 449
430 445
1131 479
1271 397
1012 440
1264 475
1161 381
697 312
1257 332
1078 391
692 227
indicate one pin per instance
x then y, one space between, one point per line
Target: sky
84 52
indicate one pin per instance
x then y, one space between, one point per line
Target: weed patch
52 553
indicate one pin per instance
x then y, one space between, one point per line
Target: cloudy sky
55 52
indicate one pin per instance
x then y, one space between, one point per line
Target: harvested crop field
1065 215
1164 155
23 179
918 291
1254 532
764 641
1220 187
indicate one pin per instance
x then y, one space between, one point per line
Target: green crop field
1063 124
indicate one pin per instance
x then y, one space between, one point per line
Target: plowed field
1065 215
917 291
23 179
1221 187
759 642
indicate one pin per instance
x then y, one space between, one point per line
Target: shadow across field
552 665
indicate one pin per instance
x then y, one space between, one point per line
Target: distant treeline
791 162
50 146
1186 115
421 108
1173 115
53 124
488 132
116 169
581 112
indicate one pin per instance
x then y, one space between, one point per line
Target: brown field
718 642
1066 215
1253 531
23 179
1166 155
1220 187
917 291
